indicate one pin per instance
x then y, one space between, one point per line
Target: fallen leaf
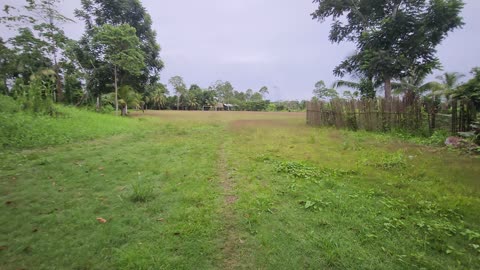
160 219
101 220
100 168
102 174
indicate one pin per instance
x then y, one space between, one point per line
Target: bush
37 96
8 105
438 137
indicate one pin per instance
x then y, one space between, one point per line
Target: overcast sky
252 43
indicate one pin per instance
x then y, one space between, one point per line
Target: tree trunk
58 82
388 87
178 103
116 89
5 85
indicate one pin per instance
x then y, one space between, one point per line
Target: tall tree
29 56
224 91
118 12
6 66
120 49
179 86
450 81
394 38
43 17
263 91
248 94
321 91
471 89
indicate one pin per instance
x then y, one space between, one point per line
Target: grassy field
232 190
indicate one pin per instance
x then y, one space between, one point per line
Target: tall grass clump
141 191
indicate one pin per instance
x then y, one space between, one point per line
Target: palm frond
342 83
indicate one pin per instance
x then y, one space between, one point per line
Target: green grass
304 198
26 130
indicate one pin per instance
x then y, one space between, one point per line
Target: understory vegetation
234 190
20 128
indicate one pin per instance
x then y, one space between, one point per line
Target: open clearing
228 190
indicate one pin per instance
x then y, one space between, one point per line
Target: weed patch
142 191
304 171
387 161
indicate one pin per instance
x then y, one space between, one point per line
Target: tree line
117 53
447 87
116 62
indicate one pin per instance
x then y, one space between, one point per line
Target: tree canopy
96 13
119 47
322 92
394 38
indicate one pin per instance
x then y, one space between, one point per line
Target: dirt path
232 238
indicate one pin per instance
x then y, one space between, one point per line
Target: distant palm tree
191 102
450 82
158 98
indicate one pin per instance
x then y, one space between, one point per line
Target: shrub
8 105
438 137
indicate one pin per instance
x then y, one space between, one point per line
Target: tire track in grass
230 245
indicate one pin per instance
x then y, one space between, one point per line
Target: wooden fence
464 113
384 115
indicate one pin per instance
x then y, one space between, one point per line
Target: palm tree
191 101
128 97
413 86
469 90
158 98
450 82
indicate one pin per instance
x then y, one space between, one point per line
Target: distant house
207 108
219 107
229 107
